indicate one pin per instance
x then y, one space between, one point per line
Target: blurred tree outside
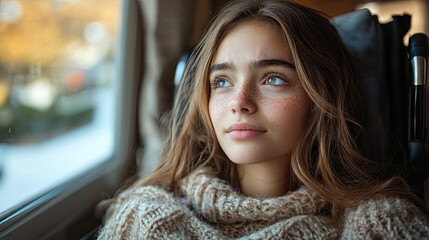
53 56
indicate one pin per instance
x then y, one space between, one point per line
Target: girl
264 142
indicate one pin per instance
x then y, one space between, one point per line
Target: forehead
252 40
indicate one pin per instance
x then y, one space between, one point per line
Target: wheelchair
393 81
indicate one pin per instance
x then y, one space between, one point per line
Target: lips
244 131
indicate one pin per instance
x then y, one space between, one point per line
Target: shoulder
385 217
140 212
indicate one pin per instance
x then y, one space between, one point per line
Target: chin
245 161
246 158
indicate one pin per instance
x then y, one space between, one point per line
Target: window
60 68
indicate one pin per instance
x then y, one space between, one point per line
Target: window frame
61 212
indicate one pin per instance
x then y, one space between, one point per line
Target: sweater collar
216 201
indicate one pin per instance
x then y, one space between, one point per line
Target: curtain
170 28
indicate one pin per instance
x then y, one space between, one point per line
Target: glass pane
57 90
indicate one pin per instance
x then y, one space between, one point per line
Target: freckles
247 92
217 108
285 110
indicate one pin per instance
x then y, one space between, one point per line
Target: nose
243 101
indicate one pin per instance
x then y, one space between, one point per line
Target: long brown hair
329 158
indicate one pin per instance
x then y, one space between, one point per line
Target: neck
265 179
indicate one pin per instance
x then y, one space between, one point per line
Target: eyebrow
221 66
253 65
271 62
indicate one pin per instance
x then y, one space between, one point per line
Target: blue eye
220 83
275 81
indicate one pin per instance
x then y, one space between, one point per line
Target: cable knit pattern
386 218
203 193
208 208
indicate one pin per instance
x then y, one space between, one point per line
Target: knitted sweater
208 208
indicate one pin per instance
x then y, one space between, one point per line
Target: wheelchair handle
418 53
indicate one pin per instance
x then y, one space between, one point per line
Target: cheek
216 110
290 113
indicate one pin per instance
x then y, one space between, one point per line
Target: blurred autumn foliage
54 54
43 29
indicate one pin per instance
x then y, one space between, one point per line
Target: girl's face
257 105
